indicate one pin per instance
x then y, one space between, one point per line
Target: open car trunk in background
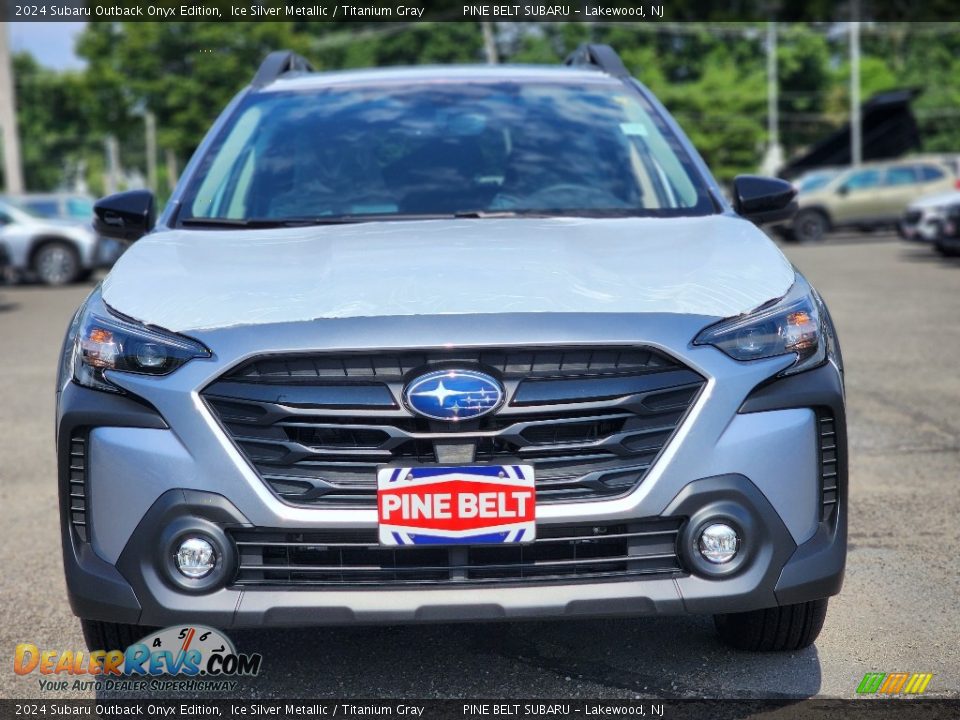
889 131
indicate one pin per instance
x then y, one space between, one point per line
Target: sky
51 43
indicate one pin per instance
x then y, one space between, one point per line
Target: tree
183 72
712 77
55 117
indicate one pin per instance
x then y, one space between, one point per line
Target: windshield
443 149
42 207
18 206
80 208
815 181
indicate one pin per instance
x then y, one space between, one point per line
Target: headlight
793 324
104 341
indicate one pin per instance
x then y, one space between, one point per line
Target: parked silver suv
55 252
451 344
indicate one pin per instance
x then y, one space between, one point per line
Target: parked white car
923 220
54 251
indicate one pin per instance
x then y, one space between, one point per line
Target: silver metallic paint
198 454
186 281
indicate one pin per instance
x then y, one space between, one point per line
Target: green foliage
712 77
351 45
184 72
55 118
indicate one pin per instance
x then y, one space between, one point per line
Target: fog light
719 543
195 558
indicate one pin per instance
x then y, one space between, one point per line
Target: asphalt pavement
897 310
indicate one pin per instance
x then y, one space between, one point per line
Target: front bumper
748 448
774 571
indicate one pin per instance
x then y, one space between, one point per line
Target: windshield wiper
305 221
254 223
231 222
486 214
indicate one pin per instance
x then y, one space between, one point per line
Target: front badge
453 395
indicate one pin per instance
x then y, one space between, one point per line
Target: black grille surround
561 553
317 427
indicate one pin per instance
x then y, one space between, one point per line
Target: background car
947 242
871 196
74 208
923 219
54 251
816 179
60 206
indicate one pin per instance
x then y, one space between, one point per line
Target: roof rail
276 64
602 57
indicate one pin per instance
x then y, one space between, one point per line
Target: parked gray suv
55 252
451 344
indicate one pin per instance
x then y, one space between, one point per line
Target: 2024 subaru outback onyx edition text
443 344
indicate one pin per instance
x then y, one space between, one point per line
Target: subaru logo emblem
453 395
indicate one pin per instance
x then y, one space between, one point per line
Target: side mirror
764 199
124 216
843 190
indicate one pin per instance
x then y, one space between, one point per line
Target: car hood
931 201
817 197
185 280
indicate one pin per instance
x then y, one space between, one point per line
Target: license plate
456 505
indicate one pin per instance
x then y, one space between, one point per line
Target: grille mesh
509 363
828 463
560 553
78 497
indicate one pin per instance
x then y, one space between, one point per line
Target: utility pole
774 157
489 44
150 126
172 171
12 167
112 149
856 137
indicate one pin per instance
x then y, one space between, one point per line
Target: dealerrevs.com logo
191 657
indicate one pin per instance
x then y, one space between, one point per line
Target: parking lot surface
897 310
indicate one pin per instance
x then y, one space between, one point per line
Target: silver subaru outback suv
451 344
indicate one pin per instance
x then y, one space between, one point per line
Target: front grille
521 363
561 553
912 217
77 497
829 488
317 428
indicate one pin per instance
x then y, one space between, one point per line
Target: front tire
786 628
810 226
56 263
111 636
